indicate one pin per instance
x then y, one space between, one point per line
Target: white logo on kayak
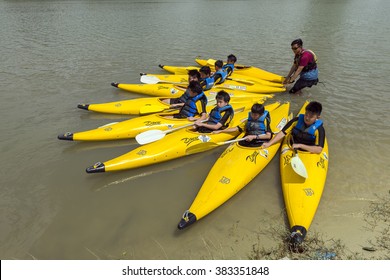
204 138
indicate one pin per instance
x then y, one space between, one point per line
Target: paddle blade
149 136
149 109
298 166
149 79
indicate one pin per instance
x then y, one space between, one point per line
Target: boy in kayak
229 66
257 127
307 130
206 81
219 75
195 105
193 75
219 117
304 66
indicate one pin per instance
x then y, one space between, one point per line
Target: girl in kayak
308 132
219 117
257 127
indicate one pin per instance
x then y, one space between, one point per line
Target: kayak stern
83 106
66 136
96 168
298 234
187 220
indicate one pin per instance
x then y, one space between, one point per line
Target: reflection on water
56 54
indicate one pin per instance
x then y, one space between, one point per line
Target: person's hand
265 145
250 137
297 146
198 123
191 119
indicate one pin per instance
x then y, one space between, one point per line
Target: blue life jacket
216 114
256 127
185 96
209 83
226 66
305 135
223 75
189 109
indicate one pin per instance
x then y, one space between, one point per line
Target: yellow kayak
250 71
173 145
130 128
233 170
302 196
239 80
176 90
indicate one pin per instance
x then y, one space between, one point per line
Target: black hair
297 42
314 107
232 57
195 86
194 72
223 95
257 108
205 70
218 63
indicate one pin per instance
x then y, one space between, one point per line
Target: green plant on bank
315 247
378 219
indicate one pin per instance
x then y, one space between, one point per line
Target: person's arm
229 71
295 75
203 114
317 148
221 122
227 130
292 70
217 78
280 135
209 126
274 140
312 149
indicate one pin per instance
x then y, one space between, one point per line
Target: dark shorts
179 116
175 101
203 129
253 143
300 84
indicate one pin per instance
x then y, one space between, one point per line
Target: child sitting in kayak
193 75
229 66
219 75
219 117
307 130
206 81
195 105
257 127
